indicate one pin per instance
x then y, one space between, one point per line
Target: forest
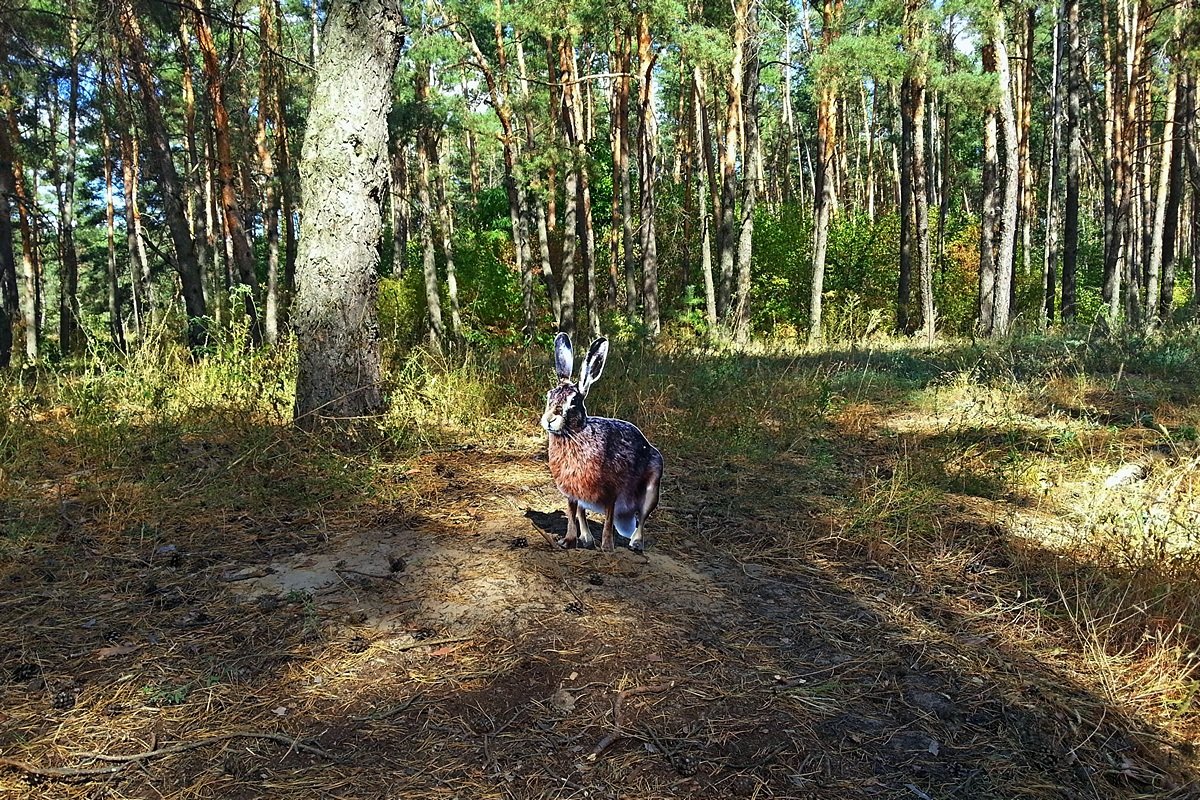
905 293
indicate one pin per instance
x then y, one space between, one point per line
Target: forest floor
884 573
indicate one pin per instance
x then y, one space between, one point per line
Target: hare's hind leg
585 533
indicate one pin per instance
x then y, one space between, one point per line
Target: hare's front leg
585 533
606 541
572 531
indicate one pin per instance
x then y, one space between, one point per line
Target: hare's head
565 411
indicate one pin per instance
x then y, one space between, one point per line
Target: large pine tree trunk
915 35
343 171
907 135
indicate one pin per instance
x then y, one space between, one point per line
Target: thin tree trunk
268 116
400 192
632 294
750 180
1050 252
1174 196
726 236
916 34
446 227
26 220
824 188
648 155
70 332
181 236
283 155
1005 264
703 179
9 299
235 227
116 328
1074 161
1158 235
988 204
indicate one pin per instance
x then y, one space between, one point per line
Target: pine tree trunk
70 333
750 181
446 228
1074 161
400 192
824 187
195 174
1050 252
116 328
30 264
647 158
1005 263
283 155
907 135
268 116
343 171
1158 234
235 227
916 35
168 178
1171 220
727 235
632 294
704 185
9 299
988 205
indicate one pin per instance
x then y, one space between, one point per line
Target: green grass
977 469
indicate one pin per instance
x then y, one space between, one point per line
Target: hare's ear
564 359
593 365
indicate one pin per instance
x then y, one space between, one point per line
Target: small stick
618 732
431 643
120 762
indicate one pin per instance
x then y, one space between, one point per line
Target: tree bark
116 327
827 93
704 185
750 180
9 300
235 227
31 269
268 117
70 332
1170 235
1074 161
181 236
1005 264
726 235
647 158
988 204
343 171
1053 180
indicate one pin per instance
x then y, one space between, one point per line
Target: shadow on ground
434 643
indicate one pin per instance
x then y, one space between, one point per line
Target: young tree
344 168
1074 136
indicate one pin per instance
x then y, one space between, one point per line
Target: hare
601 465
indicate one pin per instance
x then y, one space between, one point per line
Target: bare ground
448 649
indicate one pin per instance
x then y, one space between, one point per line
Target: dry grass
875 573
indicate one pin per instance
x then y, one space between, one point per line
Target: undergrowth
1048 486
